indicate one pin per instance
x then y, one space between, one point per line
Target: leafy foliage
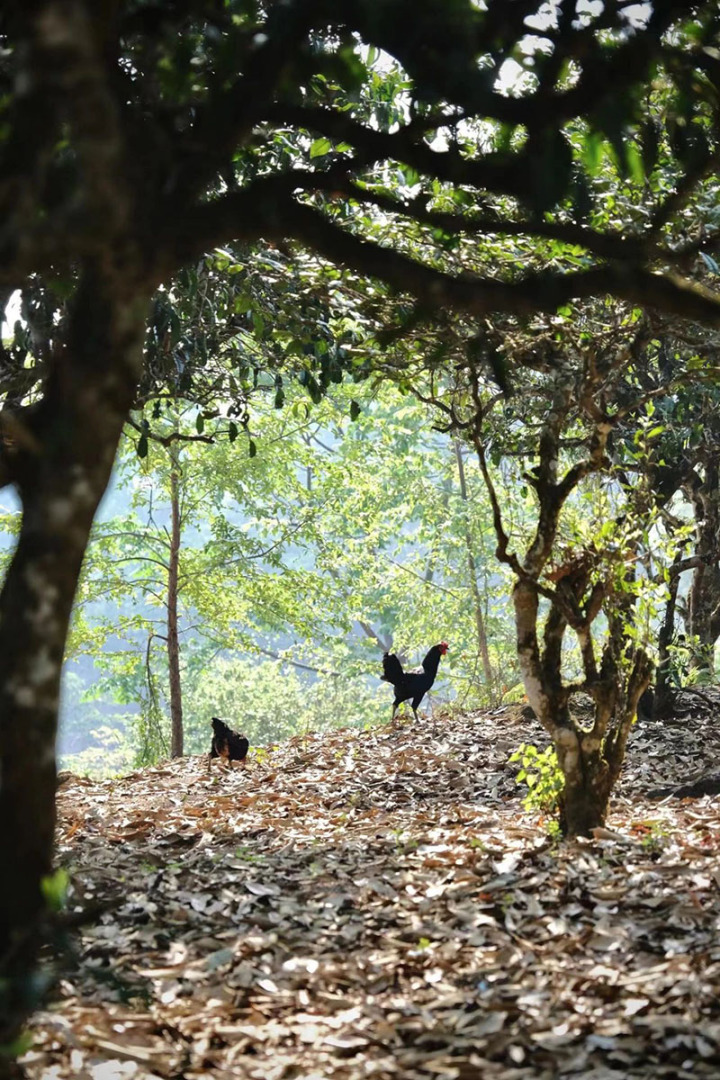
540 772
298 568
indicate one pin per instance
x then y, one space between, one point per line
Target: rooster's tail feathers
392 668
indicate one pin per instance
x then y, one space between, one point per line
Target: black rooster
226 743
412 684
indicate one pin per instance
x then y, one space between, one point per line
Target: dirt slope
377 904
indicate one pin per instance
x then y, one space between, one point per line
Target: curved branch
506 174
611 245
259 212
173 437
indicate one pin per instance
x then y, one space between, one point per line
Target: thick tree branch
224 121
501 173
503 541
464 36
258 211
227 118
173 437
374 635
610 245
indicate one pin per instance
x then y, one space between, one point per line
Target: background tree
679 375
595 574
336 541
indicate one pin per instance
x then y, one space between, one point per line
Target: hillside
378 904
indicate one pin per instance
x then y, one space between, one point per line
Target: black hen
412 684
226 743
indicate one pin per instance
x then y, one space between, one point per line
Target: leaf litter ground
378 904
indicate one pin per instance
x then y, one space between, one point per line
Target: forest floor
378 904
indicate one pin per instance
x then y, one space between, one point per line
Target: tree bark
61 471
173 642
585 799
662 698
702 622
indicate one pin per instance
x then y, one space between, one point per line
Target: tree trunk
525 602
589 760
704 596
472 574
586 797
173 642
61 467
662 698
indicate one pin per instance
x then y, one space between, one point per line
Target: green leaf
54 889
710 263
242 304
17 1047
252 448
199 423
142 447
355 410
592 153
232 431
635 164
320 147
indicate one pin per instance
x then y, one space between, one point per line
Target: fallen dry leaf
337 913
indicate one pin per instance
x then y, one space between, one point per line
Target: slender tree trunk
472 574
661 701
173 642
61 468
704 597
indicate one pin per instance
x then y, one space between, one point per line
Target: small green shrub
541 774
55 888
